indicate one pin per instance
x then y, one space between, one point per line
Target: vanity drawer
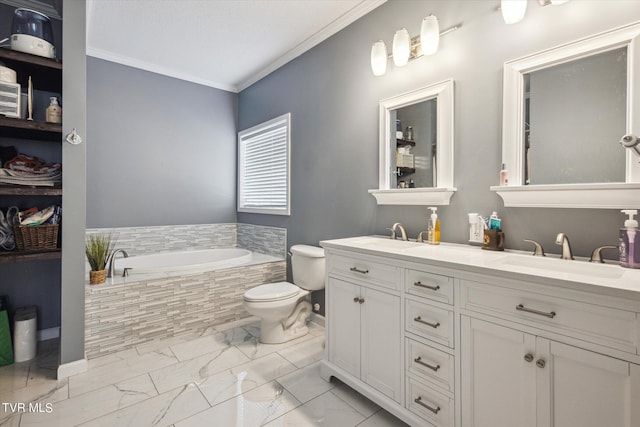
429 322
428 404
611 327
433 286
365 270
427 362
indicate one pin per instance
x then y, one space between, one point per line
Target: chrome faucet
597 257
112 263
538 251
398 226
563 240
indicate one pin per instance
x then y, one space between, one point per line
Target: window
263 167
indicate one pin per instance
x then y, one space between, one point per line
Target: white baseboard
48 334
72 368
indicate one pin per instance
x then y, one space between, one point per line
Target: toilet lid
272 292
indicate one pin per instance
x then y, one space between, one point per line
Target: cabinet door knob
361 300
528 357
356 299
540 363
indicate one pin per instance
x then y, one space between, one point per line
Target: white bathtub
196 260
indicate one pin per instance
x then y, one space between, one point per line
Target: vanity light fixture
513 11
401 47
406 48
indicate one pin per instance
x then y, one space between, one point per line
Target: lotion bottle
629 241
434 226
54 112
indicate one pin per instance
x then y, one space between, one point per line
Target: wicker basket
36 238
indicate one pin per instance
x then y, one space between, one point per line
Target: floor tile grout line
370 416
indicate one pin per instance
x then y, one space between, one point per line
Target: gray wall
160 151
333 98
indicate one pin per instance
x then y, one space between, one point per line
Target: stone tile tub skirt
142 308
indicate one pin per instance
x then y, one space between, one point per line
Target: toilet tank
308 267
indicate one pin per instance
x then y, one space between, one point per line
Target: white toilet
284 307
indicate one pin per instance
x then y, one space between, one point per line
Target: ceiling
226 44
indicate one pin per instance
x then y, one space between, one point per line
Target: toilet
284 307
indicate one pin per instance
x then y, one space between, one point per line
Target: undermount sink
383 243
607 271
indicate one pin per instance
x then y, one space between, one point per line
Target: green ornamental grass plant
98 249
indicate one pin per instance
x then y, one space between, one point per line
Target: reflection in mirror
415 138
416 147
565 111
575 112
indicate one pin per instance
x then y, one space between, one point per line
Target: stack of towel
22 169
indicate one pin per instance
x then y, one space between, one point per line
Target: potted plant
98 248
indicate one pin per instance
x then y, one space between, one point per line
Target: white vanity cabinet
365 318
512 378
447 337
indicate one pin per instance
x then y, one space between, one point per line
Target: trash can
25 327
6 351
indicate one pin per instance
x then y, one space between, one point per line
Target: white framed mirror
565 110
416 147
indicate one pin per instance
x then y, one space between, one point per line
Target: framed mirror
416 147
565 111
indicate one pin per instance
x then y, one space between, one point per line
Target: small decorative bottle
54 112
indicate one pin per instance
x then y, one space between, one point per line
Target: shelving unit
46 75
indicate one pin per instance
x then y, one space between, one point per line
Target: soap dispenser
629 241
434 228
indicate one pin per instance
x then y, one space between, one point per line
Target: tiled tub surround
166 238
127 312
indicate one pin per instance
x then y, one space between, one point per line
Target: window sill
583 196
414 196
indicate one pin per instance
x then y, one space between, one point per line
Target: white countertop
607 278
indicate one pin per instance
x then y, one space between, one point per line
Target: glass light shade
429 35
401 47
513 10
379 58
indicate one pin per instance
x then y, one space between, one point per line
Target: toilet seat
277 291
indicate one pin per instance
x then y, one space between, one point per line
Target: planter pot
97 277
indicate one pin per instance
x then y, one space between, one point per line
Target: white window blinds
263 167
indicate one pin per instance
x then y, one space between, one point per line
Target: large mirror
416 147
564 113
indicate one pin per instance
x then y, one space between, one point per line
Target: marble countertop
607 278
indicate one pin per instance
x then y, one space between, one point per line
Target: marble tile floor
222 377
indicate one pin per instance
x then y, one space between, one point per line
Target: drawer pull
357 270
424 322
422 285
550 315
419 361
419 401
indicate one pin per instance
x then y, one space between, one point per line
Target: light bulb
429 35
401 47
379 58
513 11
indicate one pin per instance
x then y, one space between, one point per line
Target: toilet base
294 326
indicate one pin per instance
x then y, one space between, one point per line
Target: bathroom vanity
451 335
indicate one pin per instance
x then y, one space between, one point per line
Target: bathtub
182 261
